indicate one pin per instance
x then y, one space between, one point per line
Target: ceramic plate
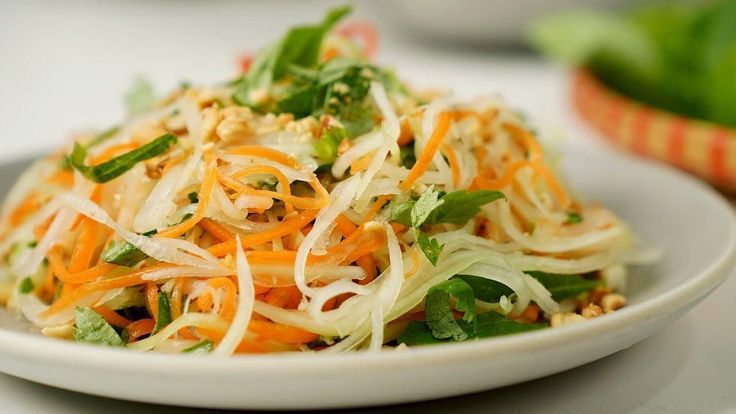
693 225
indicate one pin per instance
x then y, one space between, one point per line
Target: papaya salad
316 203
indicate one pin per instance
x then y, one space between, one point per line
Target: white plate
693 224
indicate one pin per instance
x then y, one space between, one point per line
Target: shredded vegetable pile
315 204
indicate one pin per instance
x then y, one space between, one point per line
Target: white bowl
691 222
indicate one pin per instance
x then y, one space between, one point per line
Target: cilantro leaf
460 206
91 328
564 286
401 212
118 166
430 247
437 307
203 347
163 317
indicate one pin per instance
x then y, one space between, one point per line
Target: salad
317 204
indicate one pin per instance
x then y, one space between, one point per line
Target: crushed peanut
233 129
566 318
591 311
612 302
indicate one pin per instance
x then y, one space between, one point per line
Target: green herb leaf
430 247
574 218
26 286
125 254
408 157
486 290
203 347
300 46
118 166
401 212
102 137
163 317
424 206
193 197
140 98
486 325
460 206
326 146
91 328
564 286
437 307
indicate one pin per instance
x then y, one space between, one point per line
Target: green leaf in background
140 98
92 328
438 309
326 146
574 218
163 317
424 206
564 286
118 166
26 286
486 325
204 347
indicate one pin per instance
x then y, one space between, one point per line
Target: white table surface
65 65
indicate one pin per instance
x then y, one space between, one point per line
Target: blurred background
65 66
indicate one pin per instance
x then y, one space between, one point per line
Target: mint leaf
163 317
118 166
203 347
430 247
26 286
460 206
438 310
564 286
92 328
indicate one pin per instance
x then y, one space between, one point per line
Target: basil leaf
486 290
140 98
460 206
564 286
26 286
163 317
118 166
430 247
92 328
574 218
439 314
203 347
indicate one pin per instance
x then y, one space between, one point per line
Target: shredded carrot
140 328
285 228
407 135
63 177
430 149
85 247
24 209
87 275
362 163
299 202
344 225
217 230
560 195
376 207
281 333
132 279
229 305
267 169
205 195
152 299
368 264
112 317
526 140
481 182
454 164
57 264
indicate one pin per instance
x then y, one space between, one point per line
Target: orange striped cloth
705 149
